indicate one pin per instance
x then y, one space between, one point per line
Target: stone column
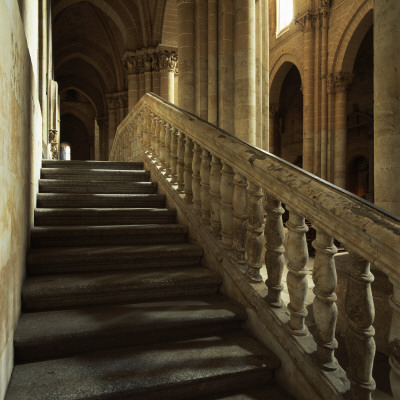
317 100
168 60
213 61
225 65
245 70
387 104
142 79
147 72
201 67
112 125
331 130
307 24
186 45
324 89
131 67
342 81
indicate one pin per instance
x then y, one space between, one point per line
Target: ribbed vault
91 37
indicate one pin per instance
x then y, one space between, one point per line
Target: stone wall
21 137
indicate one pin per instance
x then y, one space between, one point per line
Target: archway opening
360 120
288 132
75 133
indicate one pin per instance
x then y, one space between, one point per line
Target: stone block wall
21 147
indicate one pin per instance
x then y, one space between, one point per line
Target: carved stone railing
231 195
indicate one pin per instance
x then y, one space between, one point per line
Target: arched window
284 14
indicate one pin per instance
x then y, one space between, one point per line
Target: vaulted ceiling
90 38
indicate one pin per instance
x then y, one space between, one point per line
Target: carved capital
151 60
306 22
342 81
130 62
168 60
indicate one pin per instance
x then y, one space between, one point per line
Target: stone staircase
117 304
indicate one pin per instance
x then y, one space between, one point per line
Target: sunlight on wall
284 14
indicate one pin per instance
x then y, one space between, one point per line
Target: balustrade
211 169
254 243
297 254
360 342
205 187
239 219
162 153
181 162
215 192
174 154
188 172
168 148
226 210
324 305
196 178
274 250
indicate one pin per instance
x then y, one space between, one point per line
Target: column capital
168 60
306 21
342 81
151 59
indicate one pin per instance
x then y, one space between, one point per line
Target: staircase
117 304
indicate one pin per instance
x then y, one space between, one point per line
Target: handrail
353 221
224 180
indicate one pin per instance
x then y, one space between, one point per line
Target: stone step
270 392
81 164
58 260
90 186
60 236
61 200
107 216
53 334
51 292
95 174
173 370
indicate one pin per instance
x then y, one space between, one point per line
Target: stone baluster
274 258
239 219
153 135
181 162
215 184
394 340
162 153
324 305
188 173
157 140
174 155
150 117
196 178
205 187
226 210
360 341
168 137
254 243
297 254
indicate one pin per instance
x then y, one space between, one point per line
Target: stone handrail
223 181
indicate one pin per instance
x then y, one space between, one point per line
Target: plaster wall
20 158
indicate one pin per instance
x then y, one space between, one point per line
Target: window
284 14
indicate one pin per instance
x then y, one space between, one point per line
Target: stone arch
353 34
278 73
97 63
74 132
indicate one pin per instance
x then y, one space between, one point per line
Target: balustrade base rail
230 195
